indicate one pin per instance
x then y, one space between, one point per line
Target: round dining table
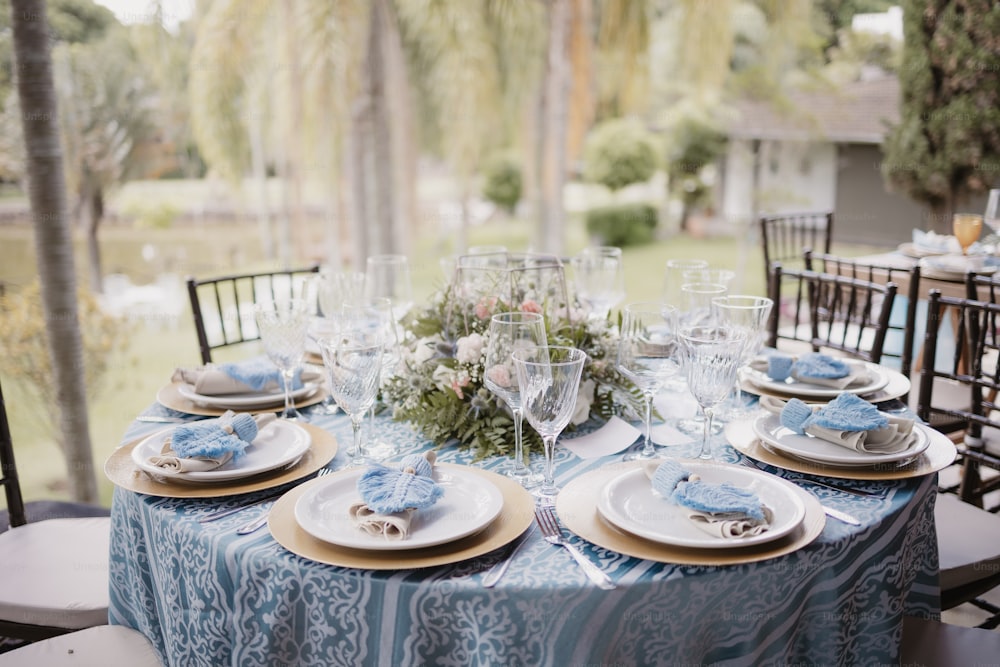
205 595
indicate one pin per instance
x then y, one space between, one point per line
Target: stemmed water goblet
353 359
509 332
333 289
696 310
549 379
283 326
711 356
648 356
600 279
748 314
967 227
388 276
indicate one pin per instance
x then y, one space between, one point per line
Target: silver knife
497 571
841 516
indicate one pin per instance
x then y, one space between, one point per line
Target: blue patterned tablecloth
206 596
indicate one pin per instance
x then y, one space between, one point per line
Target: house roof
855 113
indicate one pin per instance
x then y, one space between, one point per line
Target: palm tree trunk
555 123
53 242
93 206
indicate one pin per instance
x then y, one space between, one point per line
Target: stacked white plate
877 378
816 450
279 444
629 503
247 401
469 504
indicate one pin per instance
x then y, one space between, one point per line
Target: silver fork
259 522
546 517
829 511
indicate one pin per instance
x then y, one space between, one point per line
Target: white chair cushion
968 541
100 646
55 573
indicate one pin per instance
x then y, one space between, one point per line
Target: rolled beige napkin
733 526
393 527
390 496
224 442
254 376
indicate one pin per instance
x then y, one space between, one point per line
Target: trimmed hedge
622 224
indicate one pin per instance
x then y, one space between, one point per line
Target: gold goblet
967 227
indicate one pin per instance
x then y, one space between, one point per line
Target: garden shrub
618 153
502 183
622 224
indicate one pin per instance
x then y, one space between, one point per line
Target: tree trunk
383 183
259 165
557 80
93 207
53 241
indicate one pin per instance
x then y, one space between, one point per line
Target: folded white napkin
393 527
169 462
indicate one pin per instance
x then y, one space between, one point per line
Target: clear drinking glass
992 215
599 279
388 276
283 326
509 332
648 356
747 314
353 359
674 278
549 378
333 289
711 356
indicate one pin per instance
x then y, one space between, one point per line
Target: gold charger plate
169 396
940 453
517 514
122 471
576 505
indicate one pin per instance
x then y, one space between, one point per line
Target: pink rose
484 309
531 306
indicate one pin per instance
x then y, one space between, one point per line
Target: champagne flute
549 379
283 326
647 355
600 280
352 358
747 314
388 276
509 332
711 356
967 227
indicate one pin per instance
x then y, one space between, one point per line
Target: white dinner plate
954 267
468 505
629 503
247 400
810 448
278 444
878 378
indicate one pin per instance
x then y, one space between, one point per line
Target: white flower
584 399
423 350
469 348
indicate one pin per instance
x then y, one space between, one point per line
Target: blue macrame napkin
209 444
723 510
258 375
848 421
812 368
390 496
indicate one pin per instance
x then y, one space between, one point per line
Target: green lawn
159 345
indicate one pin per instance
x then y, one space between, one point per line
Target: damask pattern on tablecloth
206 596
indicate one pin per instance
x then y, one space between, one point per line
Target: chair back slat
8 475
210 304
830 311
784 237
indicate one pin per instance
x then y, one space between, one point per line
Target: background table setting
730 547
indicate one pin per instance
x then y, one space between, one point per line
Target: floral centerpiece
439 386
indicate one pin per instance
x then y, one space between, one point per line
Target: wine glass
967 227
283 326
647 355
747 314
549 378
713 276
600 280
353 359
333 289
711 356
388 276
509 332
377 316
696 302
674 278
992 215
